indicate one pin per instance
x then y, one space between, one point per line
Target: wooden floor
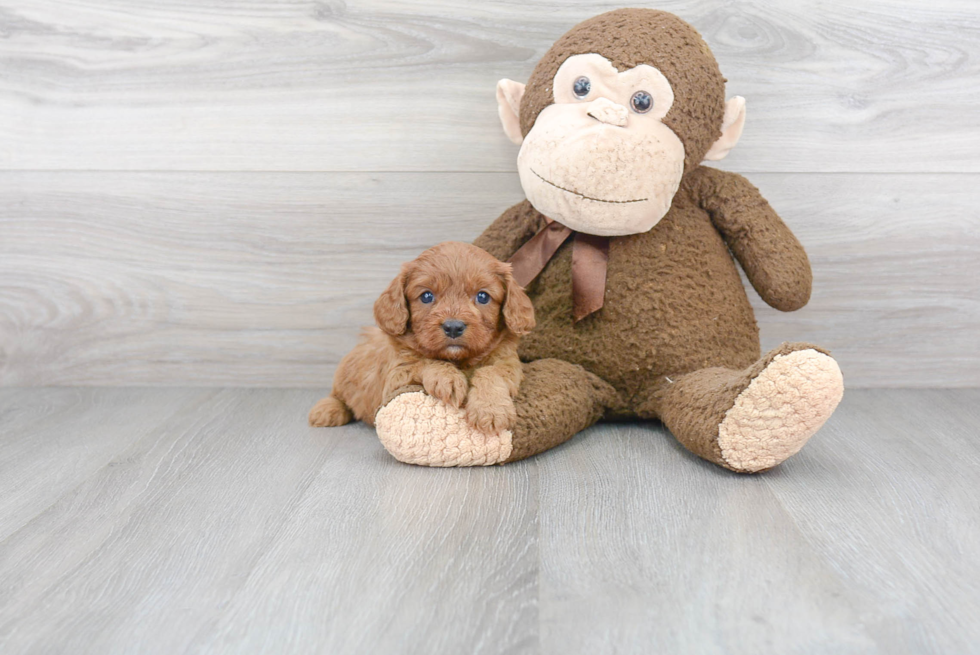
199 520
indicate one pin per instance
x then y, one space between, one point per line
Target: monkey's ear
509 94
391 308
731 129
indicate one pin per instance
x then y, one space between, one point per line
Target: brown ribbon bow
590 255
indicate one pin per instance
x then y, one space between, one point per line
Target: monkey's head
615 114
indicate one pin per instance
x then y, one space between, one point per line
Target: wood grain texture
865 542
251 279
231 526
378 85
33 432
234 526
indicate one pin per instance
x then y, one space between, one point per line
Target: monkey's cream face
600 160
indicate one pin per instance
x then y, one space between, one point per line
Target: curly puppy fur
419 343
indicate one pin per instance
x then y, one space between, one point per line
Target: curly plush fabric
418 429
676 338
695 405
627 38
674 301
780 410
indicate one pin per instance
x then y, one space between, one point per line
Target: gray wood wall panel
879 85
213 192
263 279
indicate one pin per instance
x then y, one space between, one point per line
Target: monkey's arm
511 231
773 259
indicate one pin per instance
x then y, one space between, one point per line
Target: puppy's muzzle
454 328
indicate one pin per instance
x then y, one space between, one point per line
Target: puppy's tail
330 412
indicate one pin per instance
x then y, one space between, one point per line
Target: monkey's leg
556 401
751 420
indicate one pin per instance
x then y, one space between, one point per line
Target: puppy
450 322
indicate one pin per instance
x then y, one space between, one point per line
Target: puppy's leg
330 412
356 391
444 381
490 405
406 374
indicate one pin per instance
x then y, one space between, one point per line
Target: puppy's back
360 377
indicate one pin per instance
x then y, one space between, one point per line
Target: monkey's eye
427 297
641 102
581 87
483 297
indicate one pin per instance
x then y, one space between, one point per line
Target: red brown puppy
450 322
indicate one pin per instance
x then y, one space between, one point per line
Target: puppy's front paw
491 415
447 384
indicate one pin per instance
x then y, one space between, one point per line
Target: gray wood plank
377 85
211 279
248 279
233 527
896 292
644 544
69 427
237 527
97 542
387 558
865 542
897 514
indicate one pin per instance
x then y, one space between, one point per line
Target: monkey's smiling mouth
582 195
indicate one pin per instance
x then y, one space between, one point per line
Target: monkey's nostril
454 328
608 112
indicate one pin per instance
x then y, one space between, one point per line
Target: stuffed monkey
627 246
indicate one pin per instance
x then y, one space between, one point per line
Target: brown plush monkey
627 246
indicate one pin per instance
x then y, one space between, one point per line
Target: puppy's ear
391 308
518 310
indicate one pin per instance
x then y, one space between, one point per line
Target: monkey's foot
781 408
419 429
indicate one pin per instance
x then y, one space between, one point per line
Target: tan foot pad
418 429
779 410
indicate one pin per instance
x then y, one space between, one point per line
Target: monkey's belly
674 303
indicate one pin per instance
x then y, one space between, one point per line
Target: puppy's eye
483 297
641 102
581 87
427 297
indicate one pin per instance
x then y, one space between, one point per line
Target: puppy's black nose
454 328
